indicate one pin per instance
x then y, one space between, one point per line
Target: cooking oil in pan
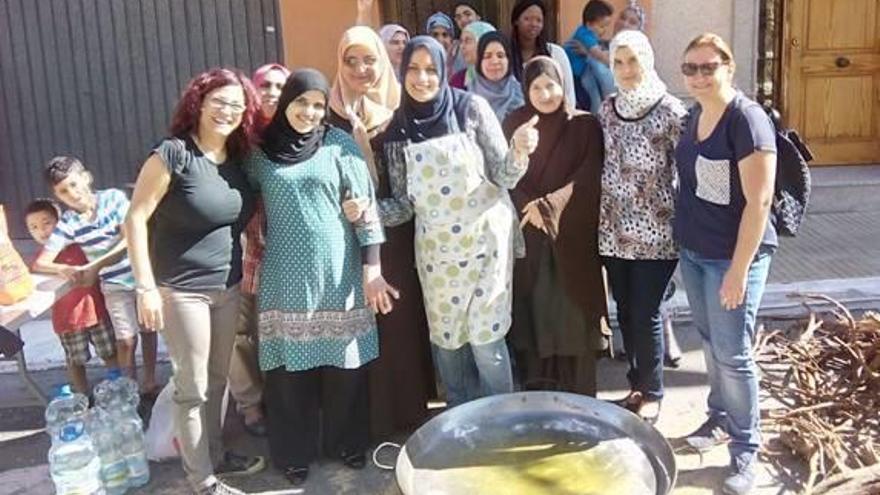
610 467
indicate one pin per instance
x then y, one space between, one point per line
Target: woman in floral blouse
642 125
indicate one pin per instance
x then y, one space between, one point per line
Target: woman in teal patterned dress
320 282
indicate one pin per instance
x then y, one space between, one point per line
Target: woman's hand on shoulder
359 132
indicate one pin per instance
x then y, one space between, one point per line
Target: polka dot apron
464 241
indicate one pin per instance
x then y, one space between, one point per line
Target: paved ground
830 246
24 445
838 252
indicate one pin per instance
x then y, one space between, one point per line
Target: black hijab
282 143
541 47
419 121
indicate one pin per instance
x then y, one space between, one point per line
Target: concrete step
838 189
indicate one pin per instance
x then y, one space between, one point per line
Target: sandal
258 428
632 402
354 461
296 475
652 418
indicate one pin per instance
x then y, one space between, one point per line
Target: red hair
189 109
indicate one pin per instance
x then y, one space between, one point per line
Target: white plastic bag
160 440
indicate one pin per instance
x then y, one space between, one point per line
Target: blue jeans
474 371
598 81
727 344
637 287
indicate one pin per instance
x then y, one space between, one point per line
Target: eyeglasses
707 69
355 62
219 104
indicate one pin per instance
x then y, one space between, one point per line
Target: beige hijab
376 107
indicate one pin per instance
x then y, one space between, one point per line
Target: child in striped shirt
79 318
94 220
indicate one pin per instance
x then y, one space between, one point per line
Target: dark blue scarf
419 121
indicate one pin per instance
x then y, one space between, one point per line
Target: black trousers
328 405
637 287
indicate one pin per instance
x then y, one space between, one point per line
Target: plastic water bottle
66 406
130 429
108 444
73 463
130 390
119 396
116 387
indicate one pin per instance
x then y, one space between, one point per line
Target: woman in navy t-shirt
726 162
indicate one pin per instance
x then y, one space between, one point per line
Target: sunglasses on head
707 69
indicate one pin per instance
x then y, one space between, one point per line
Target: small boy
79 317
589 62
94 220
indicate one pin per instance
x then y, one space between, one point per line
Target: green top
311 300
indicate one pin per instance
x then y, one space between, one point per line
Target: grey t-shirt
196 228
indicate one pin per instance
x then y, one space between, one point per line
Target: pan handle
386 467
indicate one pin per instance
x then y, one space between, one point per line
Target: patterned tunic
311 300
639 182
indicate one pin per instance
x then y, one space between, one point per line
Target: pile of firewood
825 376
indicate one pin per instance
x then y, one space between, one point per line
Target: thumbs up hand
525 138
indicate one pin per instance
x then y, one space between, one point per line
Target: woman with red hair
245 379
188 273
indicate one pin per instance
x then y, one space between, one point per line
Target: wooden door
412 14
831 81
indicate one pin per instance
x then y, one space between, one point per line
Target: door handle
842 62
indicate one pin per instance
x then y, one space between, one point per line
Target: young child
631 17
589 62
79 317
95 220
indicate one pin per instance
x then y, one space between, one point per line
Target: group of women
405 226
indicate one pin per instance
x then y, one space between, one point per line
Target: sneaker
743 471
220 488
709 435
240 465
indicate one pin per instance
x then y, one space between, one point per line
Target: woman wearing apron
449 164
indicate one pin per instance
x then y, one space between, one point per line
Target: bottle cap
65 391
71 431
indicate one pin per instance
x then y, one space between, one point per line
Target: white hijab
634 103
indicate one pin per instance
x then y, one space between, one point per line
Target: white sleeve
561 58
